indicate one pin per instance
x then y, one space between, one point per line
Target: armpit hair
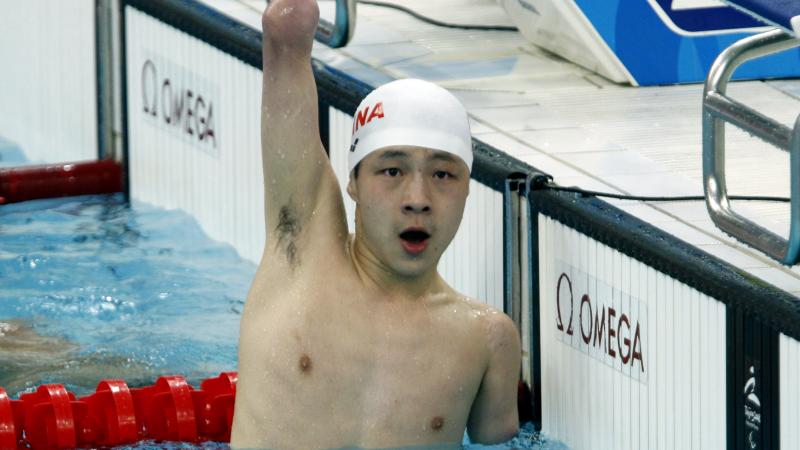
288 228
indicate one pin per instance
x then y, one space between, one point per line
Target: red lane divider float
171 409
59 180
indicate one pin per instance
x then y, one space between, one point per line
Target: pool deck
575 125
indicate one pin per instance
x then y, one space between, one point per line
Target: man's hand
289 26
301 194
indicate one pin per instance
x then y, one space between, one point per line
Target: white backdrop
48 100
597 393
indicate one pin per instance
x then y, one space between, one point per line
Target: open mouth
414 241
415 236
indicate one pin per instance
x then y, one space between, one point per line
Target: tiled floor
573 124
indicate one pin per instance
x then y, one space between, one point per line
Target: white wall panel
473 263
217 179
789 392
48 79
671 397
221 185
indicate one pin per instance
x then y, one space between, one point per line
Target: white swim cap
410 112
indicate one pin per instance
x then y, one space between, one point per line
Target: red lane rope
52 418
59 180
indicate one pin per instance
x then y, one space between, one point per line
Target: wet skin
355 340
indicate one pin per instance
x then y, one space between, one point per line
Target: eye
392 171
442 175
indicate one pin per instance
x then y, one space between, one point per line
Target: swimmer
356 340
28 359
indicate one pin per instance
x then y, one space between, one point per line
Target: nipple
305 364
437 423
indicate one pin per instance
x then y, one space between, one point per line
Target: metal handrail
339 33
718 109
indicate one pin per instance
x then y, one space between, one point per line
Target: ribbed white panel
219 181
789 392
674 398
341 126
473 263
48 79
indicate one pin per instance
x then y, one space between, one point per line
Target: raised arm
298 179
494 417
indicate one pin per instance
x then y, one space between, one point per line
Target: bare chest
381 371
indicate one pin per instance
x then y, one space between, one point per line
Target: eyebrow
443 157
437 156
393 154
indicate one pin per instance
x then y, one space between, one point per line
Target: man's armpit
288 229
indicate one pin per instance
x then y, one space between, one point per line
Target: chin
414 268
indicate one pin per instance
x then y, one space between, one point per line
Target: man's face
410 203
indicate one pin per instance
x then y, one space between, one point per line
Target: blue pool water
94 287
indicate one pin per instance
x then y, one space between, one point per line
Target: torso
327 362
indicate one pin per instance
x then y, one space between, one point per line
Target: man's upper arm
494 417
298 180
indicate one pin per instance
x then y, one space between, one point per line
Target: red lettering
599 329
611 332
586 336
210 124
593 318
559 321
199 119
361 119
627 355
189 113
166 96
377 112
177 110
637 354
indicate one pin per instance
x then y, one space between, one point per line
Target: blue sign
703 17
676 41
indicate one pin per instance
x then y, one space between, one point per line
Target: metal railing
339 33
718 109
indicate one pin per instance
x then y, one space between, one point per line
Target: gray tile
568 140
778 278
518 118
385 54
741 258
613 163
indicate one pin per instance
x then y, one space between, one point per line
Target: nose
417 198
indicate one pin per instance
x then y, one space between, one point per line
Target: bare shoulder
493 416
494 327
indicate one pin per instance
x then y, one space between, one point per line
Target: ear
352 189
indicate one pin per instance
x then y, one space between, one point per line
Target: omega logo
179 108
752 410
598 325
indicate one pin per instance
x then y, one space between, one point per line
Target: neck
395 286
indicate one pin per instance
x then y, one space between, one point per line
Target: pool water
96 287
